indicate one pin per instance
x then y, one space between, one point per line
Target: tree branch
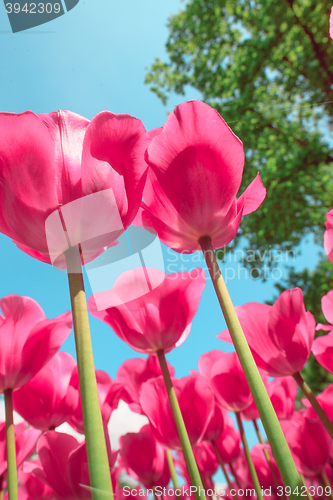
316 48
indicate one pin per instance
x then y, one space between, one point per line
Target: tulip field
70 190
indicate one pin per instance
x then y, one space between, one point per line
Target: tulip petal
322 349
113 157
328 235
327 307
252 197
198 161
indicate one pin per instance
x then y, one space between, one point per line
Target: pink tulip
206 461
228 443
266 479
30 485
331 23
196 403
327 308
309 442
25 442
109 393
322 347
325 399
50 160
145 323
145 457
196 165
64 466
250 413
282 392
215 425
133 373
240 470
328 235
27 339
49 398
229 384
206 361
280 336
205 364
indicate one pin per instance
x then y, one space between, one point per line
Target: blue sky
92 59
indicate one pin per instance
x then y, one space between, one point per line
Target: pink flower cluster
46 394
188 173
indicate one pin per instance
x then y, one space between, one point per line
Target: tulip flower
310 444
63 465
30 485
325 399
228 443
27 342
282 392
25 442
145 457
280 336
145 323
132 373
49 398
322 347
196 403
59 176
328 235
331 23
138 310
233 393
323 351
27 339
207 360
215 425
109 393
229 383
327 308
196 165
240 470
62 157
268 475
207 462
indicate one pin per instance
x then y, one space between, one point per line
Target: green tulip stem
268 458
183 436
314 403
248 457
220 461
266 411
172 469
98 464
305 485
10 443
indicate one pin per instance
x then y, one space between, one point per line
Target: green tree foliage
267 67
